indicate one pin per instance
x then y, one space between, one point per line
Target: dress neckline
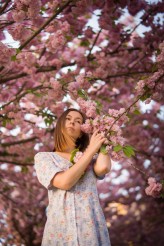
62 157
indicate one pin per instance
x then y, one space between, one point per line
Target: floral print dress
74 217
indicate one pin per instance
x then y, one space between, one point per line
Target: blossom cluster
152 87
77 157
58 38
81 82
26 9
30 62
154 188
20 32
57 92
88 107
6 54
28 98
107 126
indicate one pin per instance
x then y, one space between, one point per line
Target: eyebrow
75 118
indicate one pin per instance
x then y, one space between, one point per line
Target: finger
98 137
95 132
103 140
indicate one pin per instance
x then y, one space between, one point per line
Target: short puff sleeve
46 168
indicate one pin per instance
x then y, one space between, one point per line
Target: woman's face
73 123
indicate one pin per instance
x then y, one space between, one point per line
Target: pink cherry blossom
77 156
154 188
112 66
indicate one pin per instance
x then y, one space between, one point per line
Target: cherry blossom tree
56 58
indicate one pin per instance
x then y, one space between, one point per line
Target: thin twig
4 6
16 163
127 109
97 36
39 70
19 142
45 24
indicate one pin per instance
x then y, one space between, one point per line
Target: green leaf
145 96
103 149
98 107
73 153
136 111
69 38
158 51
162 195
4 122
48 121
24 169
85 43
129 116
117 148
6 188
144 77
154 68
128 151
82 93
94 62
99 104
112 133
37 94
18 51
97 111
130 148
13 58
43 8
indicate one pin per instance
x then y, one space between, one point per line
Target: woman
74 214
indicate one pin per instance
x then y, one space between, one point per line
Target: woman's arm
67 179
102 164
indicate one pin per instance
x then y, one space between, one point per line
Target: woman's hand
96 141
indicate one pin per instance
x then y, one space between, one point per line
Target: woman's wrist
90 150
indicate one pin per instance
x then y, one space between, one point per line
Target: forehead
75 114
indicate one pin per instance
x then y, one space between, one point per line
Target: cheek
79 131
66 123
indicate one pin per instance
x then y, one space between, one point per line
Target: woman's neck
69 150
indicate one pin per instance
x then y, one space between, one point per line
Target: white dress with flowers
74 217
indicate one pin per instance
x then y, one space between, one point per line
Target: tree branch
4 6
128 108
125 74
16 163
97 36
39 70
18 97
124 39
45 24
130 49
7 197
18 142
5 153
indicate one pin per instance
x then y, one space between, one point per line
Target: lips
71 128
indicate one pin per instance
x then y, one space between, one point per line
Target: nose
71 122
